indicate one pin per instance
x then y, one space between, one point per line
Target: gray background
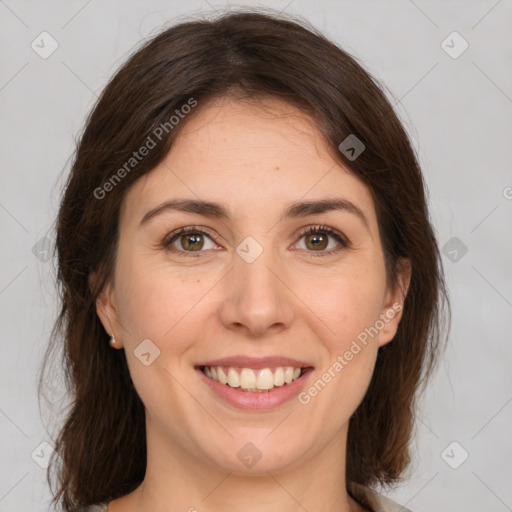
458 112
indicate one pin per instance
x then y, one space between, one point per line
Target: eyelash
167 243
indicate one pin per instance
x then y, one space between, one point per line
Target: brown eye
316 241
191 242
322 241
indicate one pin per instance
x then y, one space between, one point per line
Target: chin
258 456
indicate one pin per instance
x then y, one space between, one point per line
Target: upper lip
255 362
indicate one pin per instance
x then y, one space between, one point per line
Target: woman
252 292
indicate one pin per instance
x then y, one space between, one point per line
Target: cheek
156 299
158 304
348 305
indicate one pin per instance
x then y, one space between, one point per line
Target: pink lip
254 401
255 362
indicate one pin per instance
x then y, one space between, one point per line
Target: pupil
318 241
191 242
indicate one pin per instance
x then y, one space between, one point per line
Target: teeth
221 375
248 379
233 378
279 377
265 379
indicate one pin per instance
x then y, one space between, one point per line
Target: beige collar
374 501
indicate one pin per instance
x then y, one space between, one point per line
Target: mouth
255 383
253 380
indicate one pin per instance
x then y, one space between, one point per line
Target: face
256 285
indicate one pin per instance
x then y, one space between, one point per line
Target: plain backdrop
456 104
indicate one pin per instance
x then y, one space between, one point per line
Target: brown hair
102 441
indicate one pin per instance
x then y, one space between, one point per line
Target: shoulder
373 500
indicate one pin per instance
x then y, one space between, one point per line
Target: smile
255 384
253 380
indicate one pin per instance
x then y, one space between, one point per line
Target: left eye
316 239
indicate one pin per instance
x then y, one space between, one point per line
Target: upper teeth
253 380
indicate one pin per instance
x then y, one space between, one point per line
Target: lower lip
248 400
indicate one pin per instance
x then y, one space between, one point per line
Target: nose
257 300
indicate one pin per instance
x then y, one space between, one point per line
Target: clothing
374 501
366 497
98 507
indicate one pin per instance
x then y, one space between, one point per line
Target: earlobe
404 279
394 304
107 313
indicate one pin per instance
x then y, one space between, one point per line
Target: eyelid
334 233
322 229
341 239
189 229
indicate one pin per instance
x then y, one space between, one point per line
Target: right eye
190 239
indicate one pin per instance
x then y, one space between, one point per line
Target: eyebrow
218 211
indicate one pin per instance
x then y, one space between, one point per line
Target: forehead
255 135
253 156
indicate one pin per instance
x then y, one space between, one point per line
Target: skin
255 158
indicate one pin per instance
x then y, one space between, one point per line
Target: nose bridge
256 297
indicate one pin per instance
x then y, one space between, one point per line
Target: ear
393 306
107 311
